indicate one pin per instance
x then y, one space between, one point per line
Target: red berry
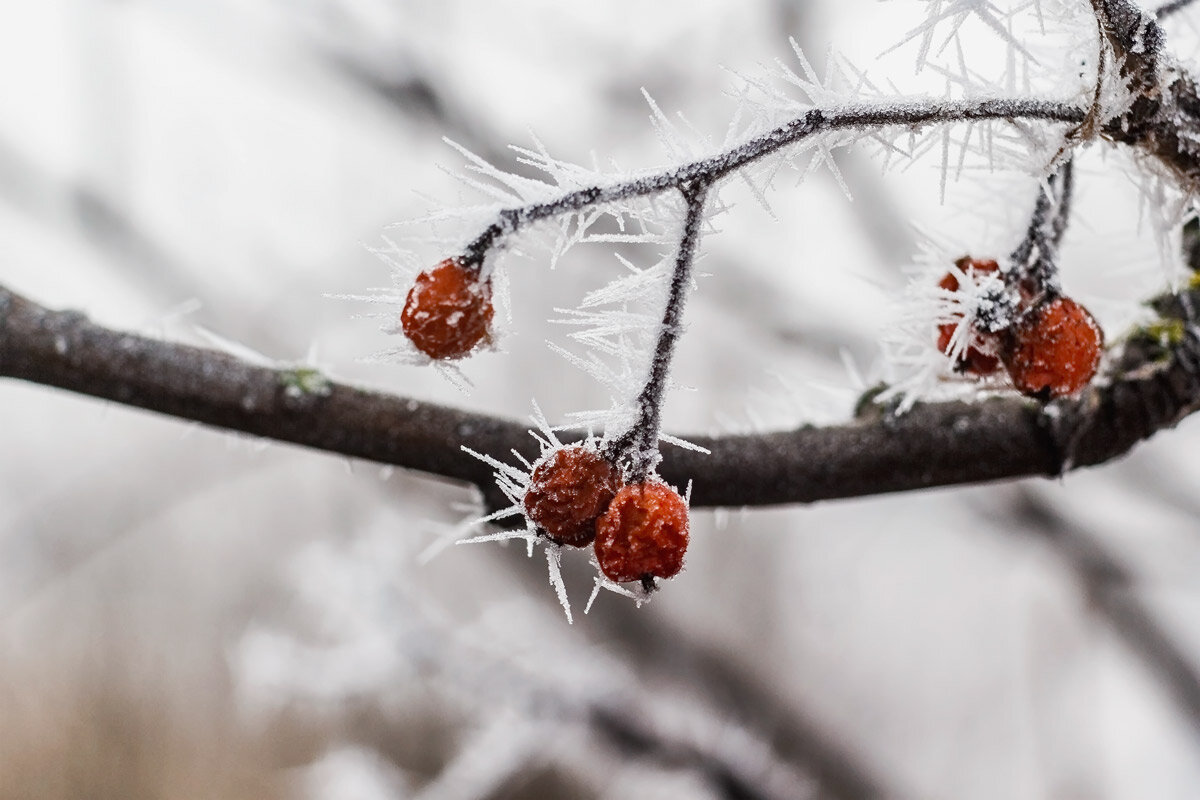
448 311
568 491
643 534
1055 350
974 361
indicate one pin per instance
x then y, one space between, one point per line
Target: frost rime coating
643 533
448 311
975 360
568 492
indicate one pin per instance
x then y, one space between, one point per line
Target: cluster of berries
1049 345
638 531
576 496
1051 349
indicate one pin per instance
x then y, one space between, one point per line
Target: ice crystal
514 482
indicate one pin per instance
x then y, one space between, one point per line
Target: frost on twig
574 483
997 322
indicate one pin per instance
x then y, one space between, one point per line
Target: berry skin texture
568 492
644 533
1055 350
448 311
973 361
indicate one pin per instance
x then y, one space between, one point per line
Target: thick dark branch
932 445
935 444
65 349
1134 35
1164 116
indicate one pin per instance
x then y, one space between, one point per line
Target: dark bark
933 444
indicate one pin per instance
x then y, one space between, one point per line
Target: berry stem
1035 260
706 171
636 450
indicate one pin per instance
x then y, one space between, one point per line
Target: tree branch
638 447
816 121
933 444
1164 115
1036 257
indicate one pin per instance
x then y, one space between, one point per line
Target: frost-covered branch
933 444
1134 35
708 171
637 449
1036 257
1163 114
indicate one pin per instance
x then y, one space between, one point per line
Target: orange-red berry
1055 350
448 311
974 361
568 491
643 534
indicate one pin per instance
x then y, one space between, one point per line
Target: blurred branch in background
1112 591
76 209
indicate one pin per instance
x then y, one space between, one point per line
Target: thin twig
1035 260
708 171
637 449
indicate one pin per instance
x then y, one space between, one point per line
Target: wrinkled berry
568 491
643 534
448 311
1055 350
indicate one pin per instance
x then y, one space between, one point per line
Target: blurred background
186 613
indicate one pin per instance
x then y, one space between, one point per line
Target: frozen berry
448 311
643 534
567 493
1055 350
975 360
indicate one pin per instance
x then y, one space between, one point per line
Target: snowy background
185 613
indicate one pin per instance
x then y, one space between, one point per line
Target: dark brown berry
643 534
1055 350
448 311
974 360
568 491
